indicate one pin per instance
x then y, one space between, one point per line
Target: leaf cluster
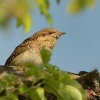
20 10
45 78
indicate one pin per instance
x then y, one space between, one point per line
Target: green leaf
23 89
11 96
58 82
44 9
28 73
3 97
56 74
37 72
49 19
47 3
58 1
90 3
18 9
10 79
37 94
76 6
78 86
53 86
62 91
45 55
25 21
2 86
69 92
31 65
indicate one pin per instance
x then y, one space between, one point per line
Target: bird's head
48 37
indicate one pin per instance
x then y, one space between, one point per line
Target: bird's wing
19 49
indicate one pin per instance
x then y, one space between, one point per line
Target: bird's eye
50 32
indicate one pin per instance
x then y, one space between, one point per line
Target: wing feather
19 49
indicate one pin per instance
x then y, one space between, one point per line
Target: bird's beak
62 33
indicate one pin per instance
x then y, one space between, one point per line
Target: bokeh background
78 49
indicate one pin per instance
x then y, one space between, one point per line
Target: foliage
76 6
46 78
20 10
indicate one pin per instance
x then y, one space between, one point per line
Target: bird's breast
30 55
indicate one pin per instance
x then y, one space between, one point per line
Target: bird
29 50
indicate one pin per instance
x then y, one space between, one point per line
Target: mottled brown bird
29 50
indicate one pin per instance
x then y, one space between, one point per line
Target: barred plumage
29 49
